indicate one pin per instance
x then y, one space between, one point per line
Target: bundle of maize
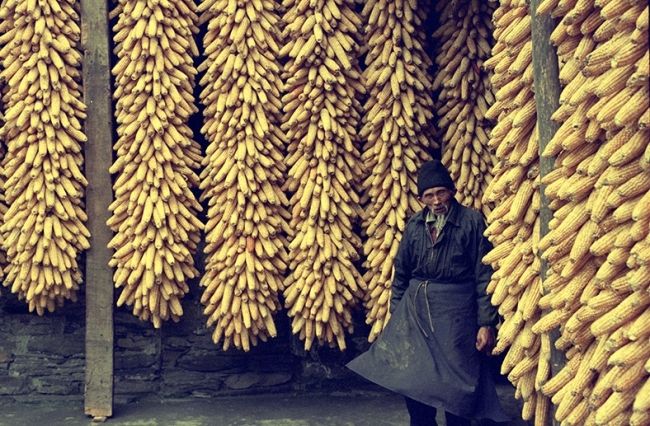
634 356
242 180
321 109
463 42
3 204
514 223
398 135
154 215
600 190
43 230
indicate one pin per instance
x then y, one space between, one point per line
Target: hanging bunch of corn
514 224
3 203
632 359
242 180
398 135
154 215
43 229
463 42
321 109
600 192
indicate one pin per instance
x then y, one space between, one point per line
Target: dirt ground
263 410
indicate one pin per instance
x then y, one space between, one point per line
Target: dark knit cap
433 173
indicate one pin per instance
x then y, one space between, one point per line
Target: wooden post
98 155
547 99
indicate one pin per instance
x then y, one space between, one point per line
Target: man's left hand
485 339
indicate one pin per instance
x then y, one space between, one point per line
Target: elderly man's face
437 199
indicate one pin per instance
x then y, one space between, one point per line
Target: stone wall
40 355
43 357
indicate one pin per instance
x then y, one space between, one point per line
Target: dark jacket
454 259
427 350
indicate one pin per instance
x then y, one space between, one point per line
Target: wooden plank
547 99
98 155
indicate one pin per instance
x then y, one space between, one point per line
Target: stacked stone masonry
42 358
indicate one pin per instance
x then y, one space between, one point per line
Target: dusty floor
264 410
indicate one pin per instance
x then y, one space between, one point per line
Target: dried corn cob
154 215
398 137
321 109
43 230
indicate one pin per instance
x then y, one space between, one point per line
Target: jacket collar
452 215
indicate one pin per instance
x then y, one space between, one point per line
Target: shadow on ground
333 409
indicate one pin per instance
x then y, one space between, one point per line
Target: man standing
441 317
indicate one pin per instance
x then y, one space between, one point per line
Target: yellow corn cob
640 418
544 367
598 360
605 242
640 75
642 401
605 113
616 176
617 403
614 8
631 378
639 278
628 55
640 210
578 415
513 357
613 80
608 149
522 369
626 311
636 185
630 353
618 338
611 269
640 227
572 397
547 6
605 30
631 113
526 386
605 300
562 378
550 321
602 388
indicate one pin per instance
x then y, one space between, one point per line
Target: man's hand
485 339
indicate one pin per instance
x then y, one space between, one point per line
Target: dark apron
427 352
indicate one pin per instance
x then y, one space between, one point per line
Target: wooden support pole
98 154
547 99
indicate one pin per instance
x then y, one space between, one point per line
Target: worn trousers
425 415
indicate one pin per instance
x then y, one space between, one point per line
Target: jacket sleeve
403 267
487 313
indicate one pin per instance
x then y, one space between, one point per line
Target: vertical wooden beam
547 99
98 154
